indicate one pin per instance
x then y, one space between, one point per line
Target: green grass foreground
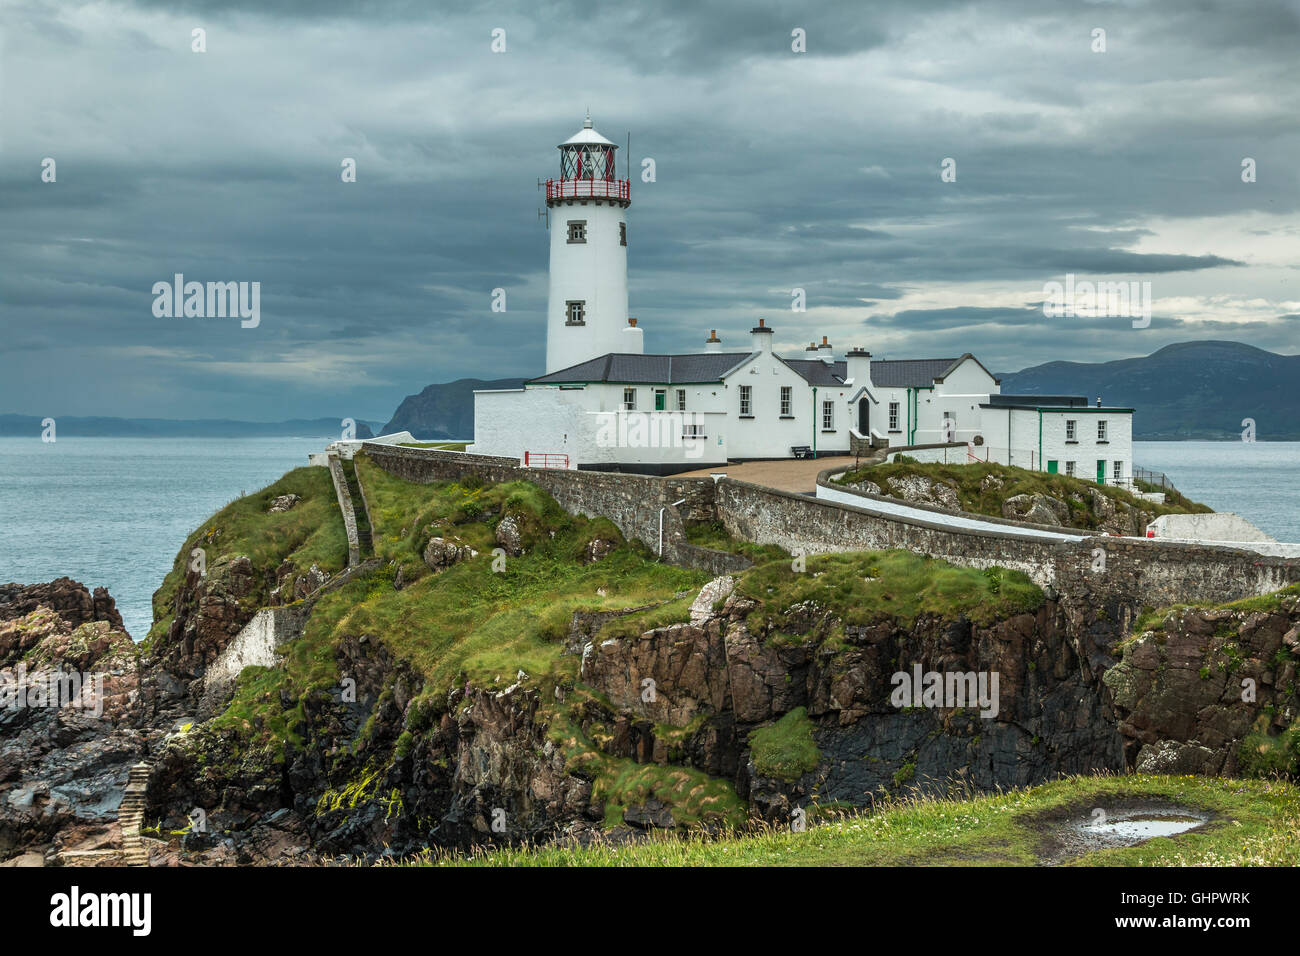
1253 823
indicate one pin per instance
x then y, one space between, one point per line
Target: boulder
442 553
283 503
508 536
1036 508
924 491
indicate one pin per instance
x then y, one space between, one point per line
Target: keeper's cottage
604 403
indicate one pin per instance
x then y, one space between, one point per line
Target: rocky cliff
505 672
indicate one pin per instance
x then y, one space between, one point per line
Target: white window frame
1101 430
1071 429
1069 468
828 416
1117 471
575 312
681 399
747 400
787 400
629 399
893 416
577 230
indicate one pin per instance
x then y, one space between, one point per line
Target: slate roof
619 367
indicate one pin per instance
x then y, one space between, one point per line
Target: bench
801 451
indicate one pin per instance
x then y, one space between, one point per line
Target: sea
113 512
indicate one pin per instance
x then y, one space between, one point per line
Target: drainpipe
909 415
1040 442
814 422
661 523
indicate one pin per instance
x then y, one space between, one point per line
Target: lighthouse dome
587 136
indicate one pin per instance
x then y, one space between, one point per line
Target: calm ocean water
114 512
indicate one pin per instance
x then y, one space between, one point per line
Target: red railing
545 459
589 188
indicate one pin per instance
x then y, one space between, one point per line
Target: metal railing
589 189
545 459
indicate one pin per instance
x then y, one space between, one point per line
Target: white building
606 404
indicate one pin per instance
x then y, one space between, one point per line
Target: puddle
1128 832
1107 828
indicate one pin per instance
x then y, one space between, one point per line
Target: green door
1101 471
1051 466
661 400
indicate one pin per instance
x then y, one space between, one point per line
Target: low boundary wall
1137 571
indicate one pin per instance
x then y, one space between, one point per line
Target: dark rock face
69 682
209 611
70 600
1051 717
1190 692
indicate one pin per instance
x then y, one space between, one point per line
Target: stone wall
345 506
632 502
1131 572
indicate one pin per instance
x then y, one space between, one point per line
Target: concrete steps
130 816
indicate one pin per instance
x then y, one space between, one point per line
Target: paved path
798 475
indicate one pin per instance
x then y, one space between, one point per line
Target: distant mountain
76 427
1189 390
443 411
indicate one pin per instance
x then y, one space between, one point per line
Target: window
1117 471
786 399
577 230
1071 430
693 431
949 429
747 400
1101 432
622 234
681 399
576 313
661 399
893 416
629 399
828 416
1069 468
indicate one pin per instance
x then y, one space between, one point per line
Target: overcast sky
775 170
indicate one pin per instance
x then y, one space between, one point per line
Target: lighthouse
586 309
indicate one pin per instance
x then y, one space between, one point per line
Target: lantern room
588 168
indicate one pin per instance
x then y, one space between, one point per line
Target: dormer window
575 312
577 230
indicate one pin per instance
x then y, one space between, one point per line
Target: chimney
859 367
633 339
825 352
761 336
811 351
713 343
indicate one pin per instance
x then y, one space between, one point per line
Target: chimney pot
631 321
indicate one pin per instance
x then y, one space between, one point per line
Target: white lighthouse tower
586 310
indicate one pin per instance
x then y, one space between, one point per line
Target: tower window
575 312
622 234
577 230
